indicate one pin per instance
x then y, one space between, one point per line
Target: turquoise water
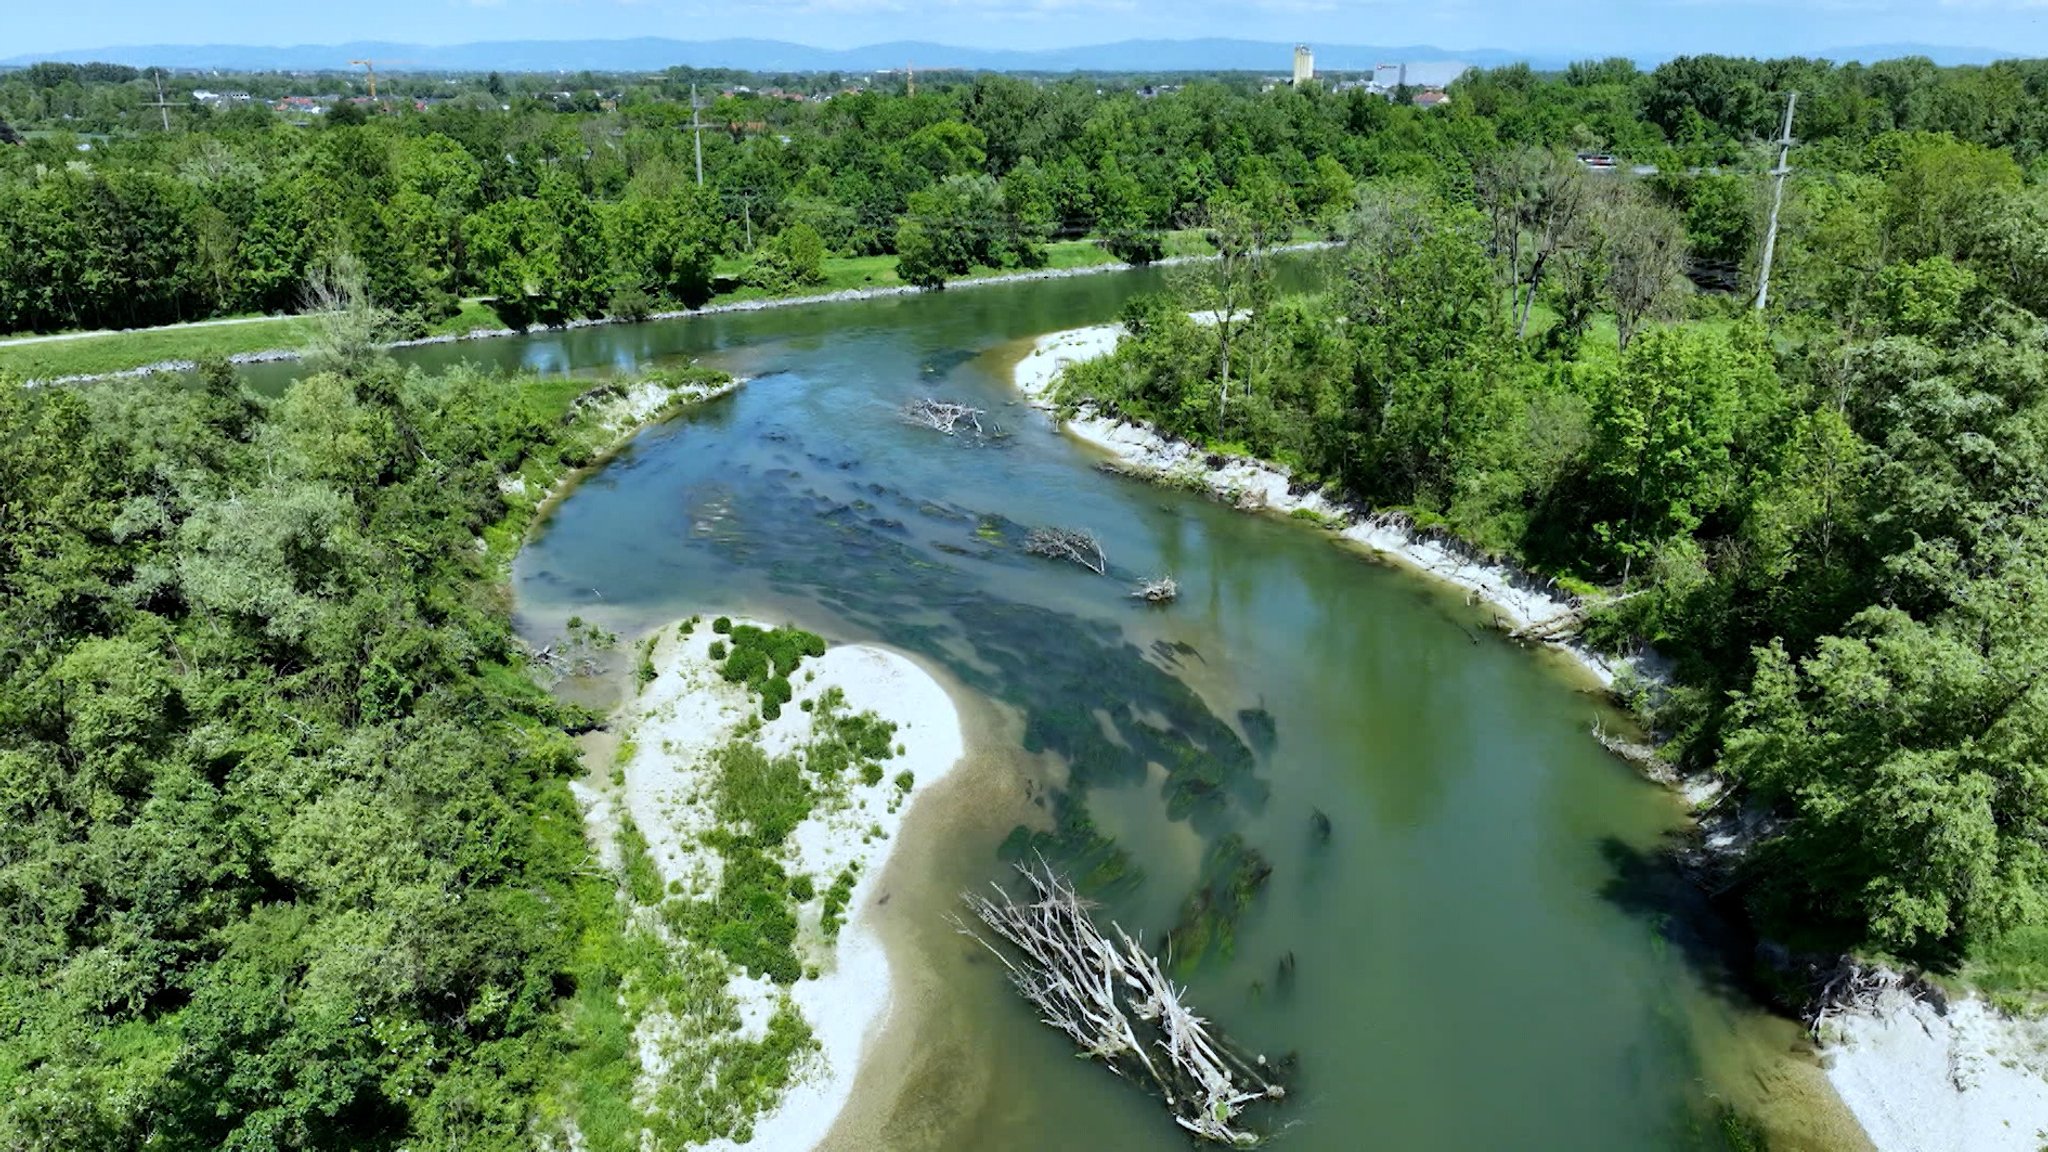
1486 951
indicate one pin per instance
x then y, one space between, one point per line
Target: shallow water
1486 950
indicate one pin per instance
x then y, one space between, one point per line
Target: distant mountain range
654 53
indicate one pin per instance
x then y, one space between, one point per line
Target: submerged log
1115 1001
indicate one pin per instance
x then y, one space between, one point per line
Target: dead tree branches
1115 1002
1158 590
1853 988
944 416
1066 544
1567 624
1643 756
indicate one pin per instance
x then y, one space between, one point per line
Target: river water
1466 938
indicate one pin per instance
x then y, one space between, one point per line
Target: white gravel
1923 1080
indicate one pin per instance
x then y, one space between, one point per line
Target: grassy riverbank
101 353
35 357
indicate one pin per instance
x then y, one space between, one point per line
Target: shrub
630 303
722 625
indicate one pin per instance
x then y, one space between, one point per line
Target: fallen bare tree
1115 1001
944 416
1643 756
1566 625
1853 988
1158 590
1066 544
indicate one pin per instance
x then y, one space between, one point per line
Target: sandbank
687 711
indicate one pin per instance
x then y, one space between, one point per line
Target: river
1483 951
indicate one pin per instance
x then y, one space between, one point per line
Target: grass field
98 353
119 351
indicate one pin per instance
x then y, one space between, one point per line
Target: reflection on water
1382 841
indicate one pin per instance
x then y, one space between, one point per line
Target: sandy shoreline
1925 1077
687 710
1515 598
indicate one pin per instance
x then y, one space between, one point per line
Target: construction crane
371 65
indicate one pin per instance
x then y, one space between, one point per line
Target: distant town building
1432 98
1304 64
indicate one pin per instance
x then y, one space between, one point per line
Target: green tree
1122 220
1662 429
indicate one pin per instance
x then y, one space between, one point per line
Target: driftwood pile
944 416
1158 590
1850 988
1116 1003
1067 544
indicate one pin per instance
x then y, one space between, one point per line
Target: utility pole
162 105
697 128
1763 280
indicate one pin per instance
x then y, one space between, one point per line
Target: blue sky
1645 27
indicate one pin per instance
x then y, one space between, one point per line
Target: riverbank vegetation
557 208
289 856
1825 515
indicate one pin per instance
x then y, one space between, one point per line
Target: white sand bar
1922 1080
687 711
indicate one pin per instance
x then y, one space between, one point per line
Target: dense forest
1825 515
288 856
558 210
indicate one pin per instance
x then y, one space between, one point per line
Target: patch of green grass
471 316
120 351
836 899
757 800
1320 519
104 352
643 879
644 671
601 1063
2013 966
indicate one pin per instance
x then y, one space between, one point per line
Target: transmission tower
1784 168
